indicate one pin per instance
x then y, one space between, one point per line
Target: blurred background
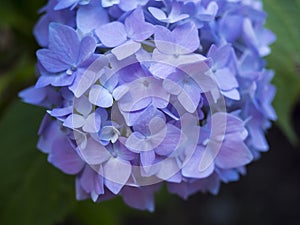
33 192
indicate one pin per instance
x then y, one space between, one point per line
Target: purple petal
171 141
91 181
65 157
233 154
140 197
49 131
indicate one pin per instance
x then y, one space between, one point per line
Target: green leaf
283 19
32 192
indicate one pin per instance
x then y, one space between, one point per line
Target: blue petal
86 49
64 40
91 16
52 61
62 4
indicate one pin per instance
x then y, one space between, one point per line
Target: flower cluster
144 92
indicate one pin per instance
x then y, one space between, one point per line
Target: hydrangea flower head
144 93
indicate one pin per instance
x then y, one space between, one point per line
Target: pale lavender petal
190 97
61 112
172 85
193 169
82 83
143 90
92 123
147 159
136 142
94 153
112 34
187 40
108 3
74 121
118 172
169 168
233 94
83 106
120 91
100 96
125 50
136 27
164 40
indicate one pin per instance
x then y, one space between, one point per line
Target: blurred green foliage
33 192
283 20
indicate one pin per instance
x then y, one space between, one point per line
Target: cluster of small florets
141 93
